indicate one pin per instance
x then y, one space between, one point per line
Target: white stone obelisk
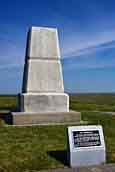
43 89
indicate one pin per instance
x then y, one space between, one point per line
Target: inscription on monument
86 138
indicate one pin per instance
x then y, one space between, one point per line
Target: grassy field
8 102
36 148
30 149
92 102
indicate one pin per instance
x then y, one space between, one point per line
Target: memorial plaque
86 138
86 145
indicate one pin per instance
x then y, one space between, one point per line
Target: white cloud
92 49
101 56
80 41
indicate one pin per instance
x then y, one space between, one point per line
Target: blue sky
87 41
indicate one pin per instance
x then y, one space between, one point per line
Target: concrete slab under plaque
24 118
86 145
96 168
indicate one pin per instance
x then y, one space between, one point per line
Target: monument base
44 102
24 118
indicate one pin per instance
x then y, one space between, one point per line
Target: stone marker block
44 102
43 94
44 76
43 43
86 145
27 118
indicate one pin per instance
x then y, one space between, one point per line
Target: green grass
92 102
34 148
7 103
31 148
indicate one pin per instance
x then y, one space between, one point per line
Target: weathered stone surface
44 76
88 148
44 102
43 43
25 118
97 168
43 90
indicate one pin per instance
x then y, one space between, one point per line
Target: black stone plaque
86 138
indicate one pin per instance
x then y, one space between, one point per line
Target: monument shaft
43 89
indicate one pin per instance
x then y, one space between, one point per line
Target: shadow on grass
60 155
6 114
8 119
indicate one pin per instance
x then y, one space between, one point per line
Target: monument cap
43 43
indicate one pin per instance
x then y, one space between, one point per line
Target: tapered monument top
43 43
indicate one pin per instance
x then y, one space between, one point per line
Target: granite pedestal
28 118
44 102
